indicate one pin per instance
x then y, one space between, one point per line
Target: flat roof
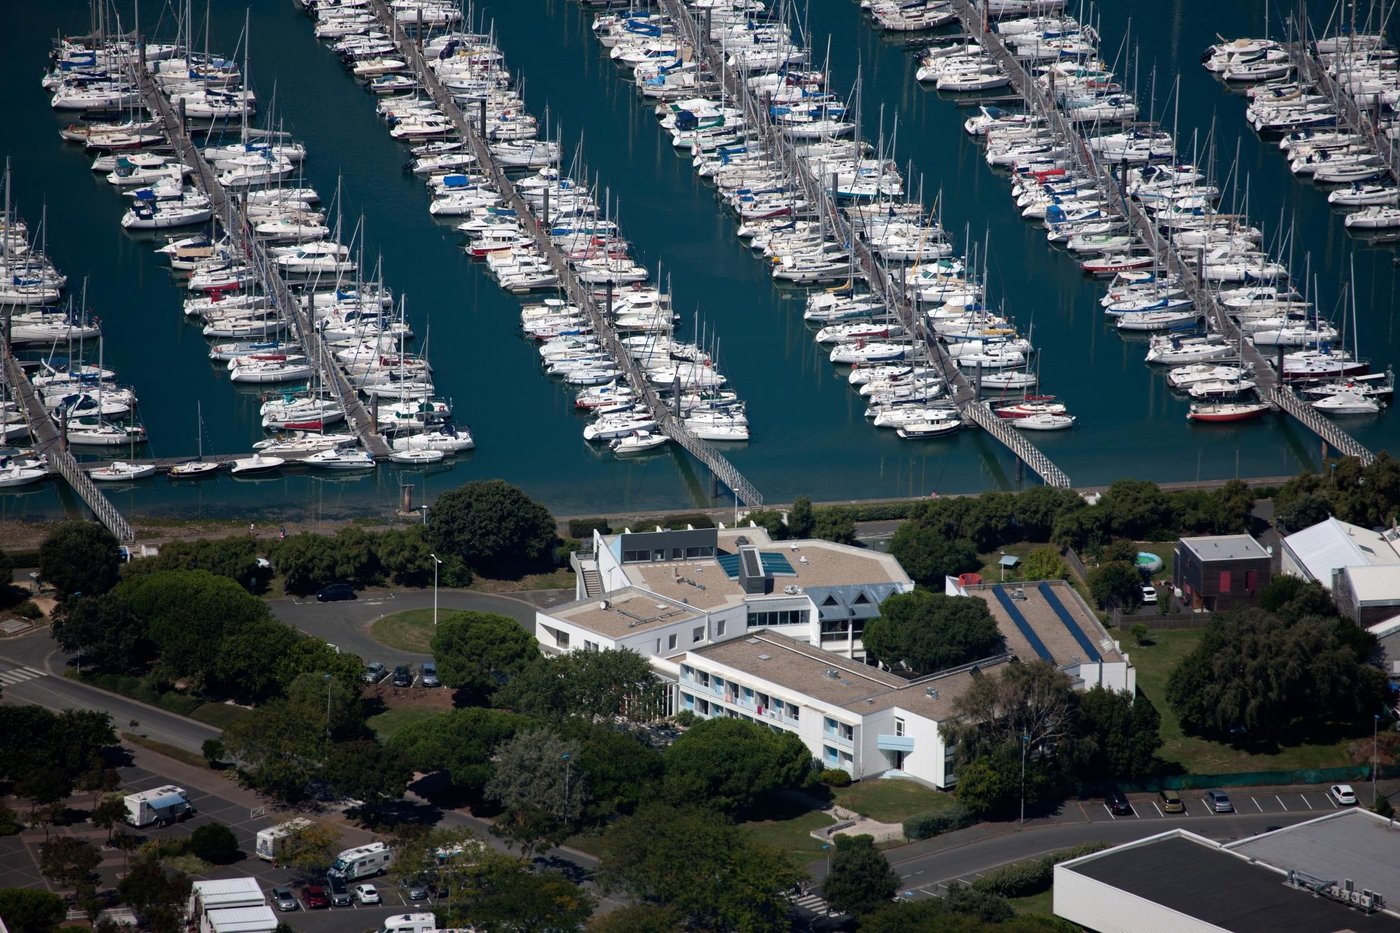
813 563
1195 877
861 688
242 920
1224 547
1061 640
1352 843
629 610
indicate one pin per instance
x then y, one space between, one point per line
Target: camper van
272 841
163 805
416 923
363 861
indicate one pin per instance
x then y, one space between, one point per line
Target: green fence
1354 773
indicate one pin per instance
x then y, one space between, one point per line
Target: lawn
1036 905
220 715
891 800
1155 663
389 722
792 835
411 630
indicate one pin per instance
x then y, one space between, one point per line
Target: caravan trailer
274 839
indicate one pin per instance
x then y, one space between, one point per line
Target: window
1251 581
659 554
780 617
697 634
704 677
847 758
720 627
561 639
829 725
590 646
829 755
677 553
898 726
687 672
847 732
658 646
693 552
861 600
671 642
1224 581
687 701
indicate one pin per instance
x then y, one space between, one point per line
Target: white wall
1105 909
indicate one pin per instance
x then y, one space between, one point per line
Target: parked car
1219 801
335 593
403 676
340 893
375 671
427 674
1149 595
1117 804
284 900
415 889
315 897
1170 801
1342 794
366 893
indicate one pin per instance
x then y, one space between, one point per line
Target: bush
583 528
214 842
9 821
28 610
928 825
686 718
1383 807
835 777
213 751
1019 879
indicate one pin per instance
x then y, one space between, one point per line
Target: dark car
340 892
284 900
1117 804
315 897
403 676
375 671
335 593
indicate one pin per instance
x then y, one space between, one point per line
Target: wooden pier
579 293
1311 70
888 284
1269 380
230 215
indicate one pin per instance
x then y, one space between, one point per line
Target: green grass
792 835
891 800
219 715
169 751
411 630
1036 905
1196 755
389 722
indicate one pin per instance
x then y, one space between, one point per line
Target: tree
622 770
306 562
1119 735
493 528
1115 584
501 893
929 632
69 862
214 842
234 557
29 910
80 557
538 787
801 522
367 771
636 918
861 878
309 849
1274 677
713 876
459 742
603 685
730 763
1044 564
1138 510
47 753
241 670
109 812
103 632
479 651
158 895
927 556
834 524
405 556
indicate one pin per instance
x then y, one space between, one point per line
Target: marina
797 406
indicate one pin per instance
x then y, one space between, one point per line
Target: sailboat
199 466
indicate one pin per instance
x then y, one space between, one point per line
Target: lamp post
436 564
826 847
1375 759
1025 741
424 510
327 678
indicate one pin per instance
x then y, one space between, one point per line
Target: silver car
284 900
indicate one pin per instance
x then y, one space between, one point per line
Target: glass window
658 554
671 642
829 755
697 634
720 627
898 726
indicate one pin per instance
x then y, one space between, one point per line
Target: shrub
213 751
1019 879
9 821
583 528
1383 807
686 718
214 842
928 825
835 777
28 610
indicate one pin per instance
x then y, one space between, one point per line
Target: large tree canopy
80 557
493 528
459 742
479 651
928 556
929 632
729 763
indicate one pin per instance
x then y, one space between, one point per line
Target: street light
327 678
1025 740
424 509
1375 759
436 564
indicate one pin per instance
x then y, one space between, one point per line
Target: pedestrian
282 533
252 528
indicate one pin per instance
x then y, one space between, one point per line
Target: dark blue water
809 433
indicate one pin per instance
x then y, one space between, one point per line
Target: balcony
895 743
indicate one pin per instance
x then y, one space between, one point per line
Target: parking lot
1247 801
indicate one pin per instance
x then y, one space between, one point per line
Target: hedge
927 825
835 777
583 528
1033 876
868 511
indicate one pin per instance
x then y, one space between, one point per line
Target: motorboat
637 442
257 463
16 473
1346 403
341 458
1220 412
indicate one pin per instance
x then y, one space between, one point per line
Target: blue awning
895 743
166 802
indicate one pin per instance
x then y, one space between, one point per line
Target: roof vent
803 559
831 673
932 693
605 605
764 657
742 540
751 641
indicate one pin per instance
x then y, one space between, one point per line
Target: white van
362 862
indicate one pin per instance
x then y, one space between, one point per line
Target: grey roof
1224 547
1331 545
1350 843
1195 877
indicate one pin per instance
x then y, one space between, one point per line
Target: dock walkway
886 283
578 292
1269 380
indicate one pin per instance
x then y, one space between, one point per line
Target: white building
230 905
1360 567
